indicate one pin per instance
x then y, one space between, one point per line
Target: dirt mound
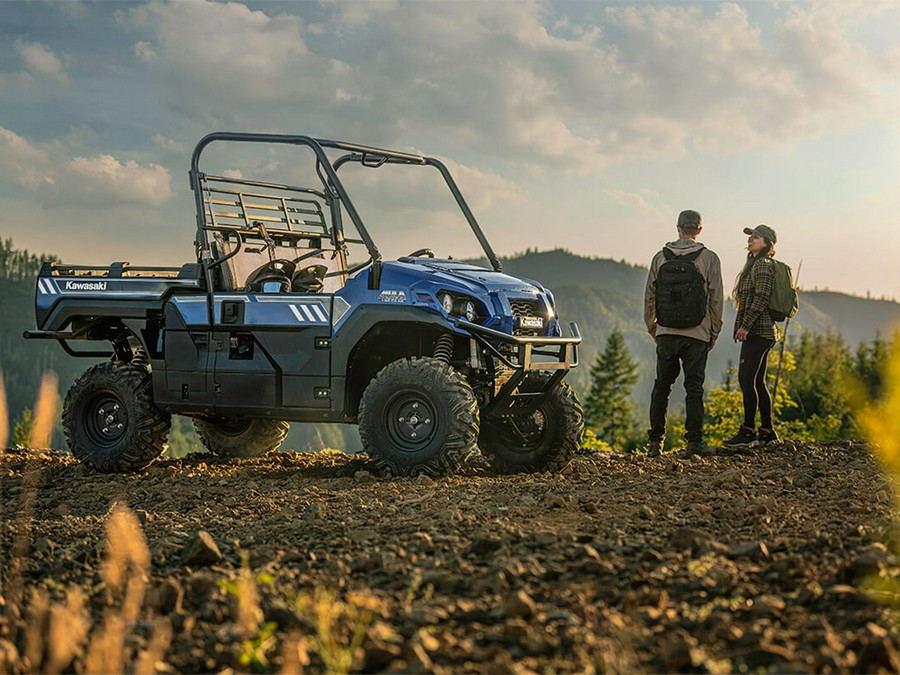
752 561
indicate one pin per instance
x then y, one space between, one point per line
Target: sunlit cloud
39 59
49 172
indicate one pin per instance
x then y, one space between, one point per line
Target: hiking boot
654 447
698 448
744 436
767 436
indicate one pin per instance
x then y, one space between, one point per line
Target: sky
581 125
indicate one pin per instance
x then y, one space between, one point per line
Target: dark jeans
674 352
752 378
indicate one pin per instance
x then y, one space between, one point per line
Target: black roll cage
327 172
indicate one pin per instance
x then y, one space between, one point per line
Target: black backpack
680 291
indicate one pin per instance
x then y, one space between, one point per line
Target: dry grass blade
42 428
4 416
126 566
295 655
36 620
45 411
159 644
67 632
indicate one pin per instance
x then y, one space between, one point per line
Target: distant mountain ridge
856 318
600 294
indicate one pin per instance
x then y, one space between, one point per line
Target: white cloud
167 143
21 162
513 81
105 175
638 202
39 59
57 177
231 52
144 51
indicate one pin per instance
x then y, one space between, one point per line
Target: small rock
768 604
482 545
756 550
877 656
315 511
697 541
63 510
556 502
200 549
519 604
363 476
647 513
424 479
9 655
284 617
876 631
165 597
377 657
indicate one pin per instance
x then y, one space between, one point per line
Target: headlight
446 302
455 304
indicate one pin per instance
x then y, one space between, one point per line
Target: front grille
524 308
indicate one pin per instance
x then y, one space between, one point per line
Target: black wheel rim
232 426
105 419
410 421
524 434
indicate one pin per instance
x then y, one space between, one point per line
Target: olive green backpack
784 300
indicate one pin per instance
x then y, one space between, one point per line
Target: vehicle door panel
275 350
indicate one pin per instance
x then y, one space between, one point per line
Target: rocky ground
756 560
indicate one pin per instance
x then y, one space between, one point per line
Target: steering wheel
421 252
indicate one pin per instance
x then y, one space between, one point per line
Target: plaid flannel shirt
753 291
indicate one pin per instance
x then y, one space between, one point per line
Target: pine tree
609 411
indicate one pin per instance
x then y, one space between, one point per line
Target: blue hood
478 280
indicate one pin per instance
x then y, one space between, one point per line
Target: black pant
674 352
752 378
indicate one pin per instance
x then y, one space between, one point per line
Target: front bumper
556 354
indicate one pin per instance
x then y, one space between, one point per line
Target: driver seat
235 273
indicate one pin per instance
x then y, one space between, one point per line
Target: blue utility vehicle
433 358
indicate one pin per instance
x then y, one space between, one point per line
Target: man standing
683 313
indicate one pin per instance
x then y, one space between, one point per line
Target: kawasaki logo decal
85 286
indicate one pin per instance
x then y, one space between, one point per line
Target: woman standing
755 330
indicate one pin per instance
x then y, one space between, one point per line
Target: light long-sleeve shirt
710 268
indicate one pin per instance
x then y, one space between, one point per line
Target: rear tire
545 440
418 416
240 437
110 421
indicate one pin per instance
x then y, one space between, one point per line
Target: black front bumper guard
508 400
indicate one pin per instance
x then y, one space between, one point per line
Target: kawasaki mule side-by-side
433 358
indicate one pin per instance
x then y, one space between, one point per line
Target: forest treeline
820 370
821 382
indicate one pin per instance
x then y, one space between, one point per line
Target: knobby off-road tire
418 416
110 421
545 440
233 437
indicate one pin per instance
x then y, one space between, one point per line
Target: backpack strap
690 257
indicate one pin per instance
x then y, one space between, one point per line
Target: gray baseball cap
763 231
689 219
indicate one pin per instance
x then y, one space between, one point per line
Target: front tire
418 416
544 440
110 421
240 437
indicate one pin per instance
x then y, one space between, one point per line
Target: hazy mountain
600 294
